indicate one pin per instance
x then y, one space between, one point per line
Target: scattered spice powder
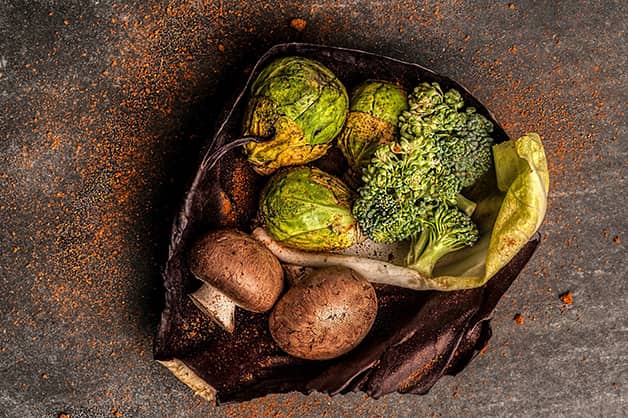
298 24
567 298
437 11
103 146
484 349
114 151
416 375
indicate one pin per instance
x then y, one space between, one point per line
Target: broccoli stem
431 254
449 230
465 205
417 244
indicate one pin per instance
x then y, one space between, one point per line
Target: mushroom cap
239 267
325 315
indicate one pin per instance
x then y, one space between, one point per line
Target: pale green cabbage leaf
508 219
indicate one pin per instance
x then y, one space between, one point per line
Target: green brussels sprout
372 121
298 104
306 208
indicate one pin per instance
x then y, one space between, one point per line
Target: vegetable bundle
411 160
505 206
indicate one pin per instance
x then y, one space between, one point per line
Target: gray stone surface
103 106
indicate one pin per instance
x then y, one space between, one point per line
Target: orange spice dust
298 24
103 141
156 70
567 298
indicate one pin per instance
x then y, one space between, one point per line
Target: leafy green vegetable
443 148
521 169
509 212
309 209
300 106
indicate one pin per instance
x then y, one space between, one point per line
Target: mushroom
324 315
236 270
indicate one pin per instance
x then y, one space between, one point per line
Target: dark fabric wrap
417 336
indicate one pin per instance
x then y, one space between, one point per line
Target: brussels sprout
372 120
300 106
309 209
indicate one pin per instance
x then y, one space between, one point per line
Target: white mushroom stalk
375 271
216 305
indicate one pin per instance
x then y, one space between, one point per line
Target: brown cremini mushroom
236 270
325 315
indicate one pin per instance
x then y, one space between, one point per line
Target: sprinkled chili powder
567 298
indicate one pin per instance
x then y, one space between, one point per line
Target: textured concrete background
103 109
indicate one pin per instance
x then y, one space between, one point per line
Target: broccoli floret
472 155
462 138
446 231
424 98
430 111
442 149
397 184
387 204
386 218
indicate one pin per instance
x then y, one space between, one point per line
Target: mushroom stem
216 305
375 271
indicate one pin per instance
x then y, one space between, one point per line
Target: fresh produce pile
423 169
